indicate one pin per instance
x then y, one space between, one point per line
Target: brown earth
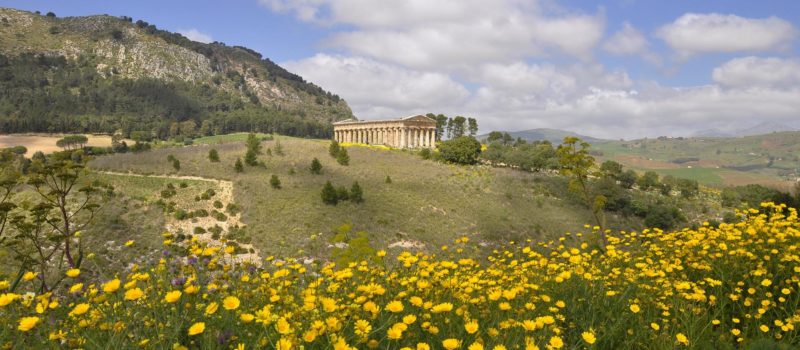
47 142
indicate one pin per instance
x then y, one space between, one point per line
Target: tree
611 169
627 179
176 164
334 148
250 157
343 158
329 194
213 155
648 180
459 126
238 166
275 182
388 179
473 126
72 142
342 194
441 124
316 166
494 136
356 194
461 150
253 143
577 164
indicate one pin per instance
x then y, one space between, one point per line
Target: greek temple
416 131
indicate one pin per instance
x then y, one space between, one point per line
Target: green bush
343 158
275 182
316 166
213 155
329 195
461 150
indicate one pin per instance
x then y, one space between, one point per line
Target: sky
611 69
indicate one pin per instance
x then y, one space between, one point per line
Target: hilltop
103 74
555 136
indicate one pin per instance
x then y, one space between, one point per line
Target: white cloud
695 33
756 71
196 35
379 90
425 34
629 41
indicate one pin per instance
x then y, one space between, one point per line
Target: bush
663 217
217 204
250 158
334 148
329 195
213 155
343 158
275 182
356 194
425 153
461 150
238 166
181 214
316 166
342 194
388 179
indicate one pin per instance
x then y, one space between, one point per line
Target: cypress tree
329 194
343 158
334 148
356 193
316 166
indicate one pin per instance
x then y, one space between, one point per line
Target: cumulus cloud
630 41
380 90
425 34
756 71
196 35
695 33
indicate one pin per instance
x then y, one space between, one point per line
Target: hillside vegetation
104 74
770 159
712 288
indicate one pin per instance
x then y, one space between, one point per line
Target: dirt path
224 194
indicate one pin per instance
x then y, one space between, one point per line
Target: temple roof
416 117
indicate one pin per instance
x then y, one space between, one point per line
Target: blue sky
615 68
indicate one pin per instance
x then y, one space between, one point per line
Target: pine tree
334 148
213 155
356 194
275 182
388 179
176 164
253 143
329 194
239 167
342 194
343 158
316 166
250 158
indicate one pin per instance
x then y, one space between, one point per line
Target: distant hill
553 135
758 129
103 73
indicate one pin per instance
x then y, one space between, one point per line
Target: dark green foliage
752 195
343 158
627 179
250 158
233 208
275 182
181 214
663 217
199 230
316 166
536 156
334 148
253 143
388 179
238 166
611 169
329 195
356 193
213 155
53 94
217 204
176 164
425 153
461 150
72 142
647 181
342 194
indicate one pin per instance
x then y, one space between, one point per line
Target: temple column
421 138
433 138
402 138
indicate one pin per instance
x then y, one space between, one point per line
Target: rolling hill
103 74
555 136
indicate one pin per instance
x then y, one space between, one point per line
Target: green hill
555 136
771 159
103 74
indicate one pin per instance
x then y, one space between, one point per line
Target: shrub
388 179
329 195
213 155
356 194
461 150
199 230
181 214
217 204
238 166
176 164
334 148
425 153
343 158
275 182
250 158
316 166
342 194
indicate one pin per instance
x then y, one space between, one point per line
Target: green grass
236 137
705 176
427 201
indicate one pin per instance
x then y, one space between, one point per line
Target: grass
705 176
426 201
216 139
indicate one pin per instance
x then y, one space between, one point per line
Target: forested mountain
104 73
